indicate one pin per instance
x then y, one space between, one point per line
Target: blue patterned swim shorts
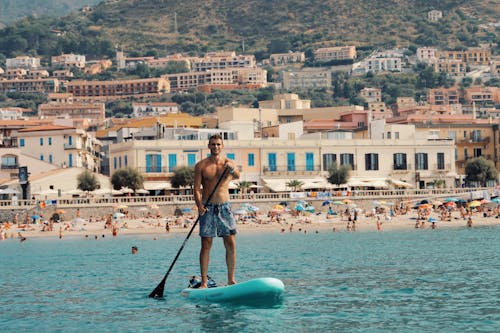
218 220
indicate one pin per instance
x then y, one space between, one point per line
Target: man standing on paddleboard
216 218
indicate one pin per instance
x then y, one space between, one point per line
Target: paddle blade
158 292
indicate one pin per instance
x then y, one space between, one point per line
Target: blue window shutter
148 163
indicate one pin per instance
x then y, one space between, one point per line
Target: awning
400 183
151 186
368 182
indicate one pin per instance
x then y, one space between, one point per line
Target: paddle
158 292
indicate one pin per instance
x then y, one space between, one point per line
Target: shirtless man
216 218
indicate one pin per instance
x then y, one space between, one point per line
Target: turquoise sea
399 281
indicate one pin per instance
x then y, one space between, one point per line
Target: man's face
215 146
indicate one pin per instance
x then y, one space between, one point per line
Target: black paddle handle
158 291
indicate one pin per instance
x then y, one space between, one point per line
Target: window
478 152
466 153
271 161
70 140
388 135
191 159
371 161
328 161
153 163
347 159
125 159
115 163
231 156
49 141
399 160
452 135
9 162
309 161
440 161
396 135
421 161
290 161
41 141
41 157
251 159
120 161
21 142
51 160
172 162
475 136
70 160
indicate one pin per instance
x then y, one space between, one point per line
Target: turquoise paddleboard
263 291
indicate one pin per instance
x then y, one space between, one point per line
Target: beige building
443 96
93 111
371 94
434 15
222 60
62 146
280 59
426 54
454 67
335 53
274 162
68 61
24 62
307 78
117 89
43 86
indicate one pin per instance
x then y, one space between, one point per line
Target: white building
154 108
24 62
426 54
68 61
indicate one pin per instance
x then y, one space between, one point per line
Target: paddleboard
258 292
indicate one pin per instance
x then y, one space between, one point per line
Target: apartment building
68 61
307 78
154 108
24 62
92 111
426 54
443 96
472 56
222 60
377 65
371 94
455 67
118 89
280 59
272 161
434 15
63 146
228 78
43 86
11 113
335 53
482 95
495 68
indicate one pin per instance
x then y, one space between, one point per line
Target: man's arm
234 172
197 188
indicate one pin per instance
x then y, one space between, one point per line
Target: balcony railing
483 141
73 145
10 166
285 171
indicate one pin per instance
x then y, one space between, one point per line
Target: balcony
10 166
282 171
474 141
401 169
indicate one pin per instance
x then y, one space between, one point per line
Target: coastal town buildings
24 62
281 59
335 53
68 61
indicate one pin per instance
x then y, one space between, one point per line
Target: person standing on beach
216 218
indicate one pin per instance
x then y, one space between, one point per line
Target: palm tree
243 186
295 184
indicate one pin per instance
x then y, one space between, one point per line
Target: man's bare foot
203 286
231 282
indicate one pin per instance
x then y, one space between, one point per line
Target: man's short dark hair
216 136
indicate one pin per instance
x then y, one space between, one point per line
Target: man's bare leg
206 245
230 244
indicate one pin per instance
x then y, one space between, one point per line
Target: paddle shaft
158 291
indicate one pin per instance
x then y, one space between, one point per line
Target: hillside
216 24
160 27
11 10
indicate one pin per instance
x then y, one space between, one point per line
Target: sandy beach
312 223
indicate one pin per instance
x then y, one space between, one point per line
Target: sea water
399 281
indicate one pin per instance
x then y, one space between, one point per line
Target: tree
183 177
295 184
127 177
243 186
480 170
87 181
338 174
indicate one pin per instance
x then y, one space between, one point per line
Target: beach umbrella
34 216
278 207
474 203
450 199
60 211
240 212
450 204
337 202
142 191
253 208
496 200
423 202
326 202
347 201
118 215
424 206
310 209
299 208
431 219
437 203
186 210
283 203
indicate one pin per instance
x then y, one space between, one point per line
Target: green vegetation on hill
12 10
259 26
